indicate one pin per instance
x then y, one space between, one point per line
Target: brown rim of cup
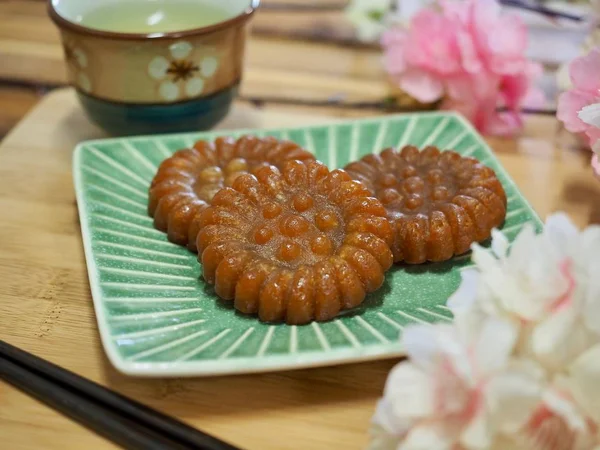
61 22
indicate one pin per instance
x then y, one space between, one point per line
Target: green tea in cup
131 16
154 66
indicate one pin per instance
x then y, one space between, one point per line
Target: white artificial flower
581 381
459 389
519 367
557 423
368 17
590 114
182 74
466 389
546 283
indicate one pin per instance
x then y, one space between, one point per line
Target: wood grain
16 101
45 304
276 67
29 44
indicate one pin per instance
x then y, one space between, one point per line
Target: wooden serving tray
46 307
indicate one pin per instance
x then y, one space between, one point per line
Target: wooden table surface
293 68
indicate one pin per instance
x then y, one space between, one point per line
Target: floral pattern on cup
77 61
184 72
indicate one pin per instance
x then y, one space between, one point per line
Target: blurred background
308 58
304 54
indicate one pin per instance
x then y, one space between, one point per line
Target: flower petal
158 67
483 258
83 81
584 376
368 17
422 86
565 409
428 436
512 396
390 422
569 105
547 430
409 392
368 30
194 87
596 165
589 243
584 72
168 91
80 57
469 321
208 66
593 135
500 243
421 345
523 245
380 439
468 52
495 345
590 114
560 338
591 309
460 88
505 123
560 231
393 42
393 37
478 432
181 49
464 297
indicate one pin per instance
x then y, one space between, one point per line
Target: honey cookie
186 182
439 203
295 245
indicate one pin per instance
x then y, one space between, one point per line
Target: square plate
158 318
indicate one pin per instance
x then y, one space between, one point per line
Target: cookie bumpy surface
185 183
439 203
295 245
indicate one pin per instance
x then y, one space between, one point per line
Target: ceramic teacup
133 83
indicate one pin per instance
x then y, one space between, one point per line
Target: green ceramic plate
158 318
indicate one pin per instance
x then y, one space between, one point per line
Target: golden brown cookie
295 245
438 202
186 182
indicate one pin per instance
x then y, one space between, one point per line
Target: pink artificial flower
498 40
459 389
563 427
596 165
584 73
478 98
420 58
518 90
433 44
470 56
576 106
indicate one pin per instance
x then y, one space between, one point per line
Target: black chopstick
120 419
541 9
